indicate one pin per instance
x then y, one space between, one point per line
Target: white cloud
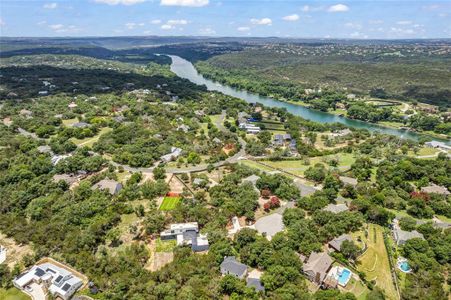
166 27
353 25
60 28
376 22
155 22
291 18
177 22
404 22
207 31
116 2
305 8
50 5
132 25
402 31
2 23
191 3
243 28
263 21
338 8
56 26
42 23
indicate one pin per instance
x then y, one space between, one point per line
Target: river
185 69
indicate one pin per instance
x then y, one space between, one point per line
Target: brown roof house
112 186
317 266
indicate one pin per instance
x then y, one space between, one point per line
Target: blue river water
185 69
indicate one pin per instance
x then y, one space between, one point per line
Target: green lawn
13 294
374 262
169 203
70 122
165 246
298 167
88 142
424 151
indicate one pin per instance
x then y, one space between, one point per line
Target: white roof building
59 281
174 154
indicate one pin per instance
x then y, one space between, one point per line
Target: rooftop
112 186
336 208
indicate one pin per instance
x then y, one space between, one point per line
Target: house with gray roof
68 178
402 236
270 225
317 266
336 208
112 186
337 242
80 125
252 179
174 154
435 189
44 149
255 283
348 180
230 266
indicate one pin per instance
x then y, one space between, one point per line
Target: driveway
37 293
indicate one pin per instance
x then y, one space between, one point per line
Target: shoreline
303 104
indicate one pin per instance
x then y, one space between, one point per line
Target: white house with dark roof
230 266
186 234
112 186
59 281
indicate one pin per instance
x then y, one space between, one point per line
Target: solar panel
66 287
39 272
58 279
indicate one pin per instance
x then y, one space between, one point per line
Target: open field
15 252
169 203
357 288
374 262
298 167
165 246
88 142
69 122
13 294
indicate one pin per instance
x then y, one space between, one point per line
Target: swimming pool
344 276
404 266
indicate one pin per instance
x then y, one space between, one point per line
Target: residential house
402 236
348 180
341 133
80 125
174 154
72 105
112 186
439 145
183 127
186 234
59 281
337 242
230 266
68 178
55 159
435 189
317 266
44 149
270 225
336 208
250 128
287 137
278 140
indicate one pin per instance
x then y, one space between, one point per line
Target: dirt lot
157 260
15 252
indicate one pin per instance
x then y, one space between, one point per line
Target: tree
159 173
349 249
154 222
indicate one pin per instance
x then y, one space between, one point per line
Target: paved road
201 167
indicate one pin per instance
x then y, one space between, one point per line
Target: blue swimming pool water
404 266
344 277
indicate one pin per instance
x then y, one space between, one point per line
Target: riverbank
185 69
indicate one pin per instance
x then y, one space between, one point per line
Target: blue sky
284 18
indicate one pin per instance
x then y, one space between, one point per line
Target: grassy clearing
298 167
88 142
357 288
165 246
374 262
13 294
169 203
424 151
69 122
